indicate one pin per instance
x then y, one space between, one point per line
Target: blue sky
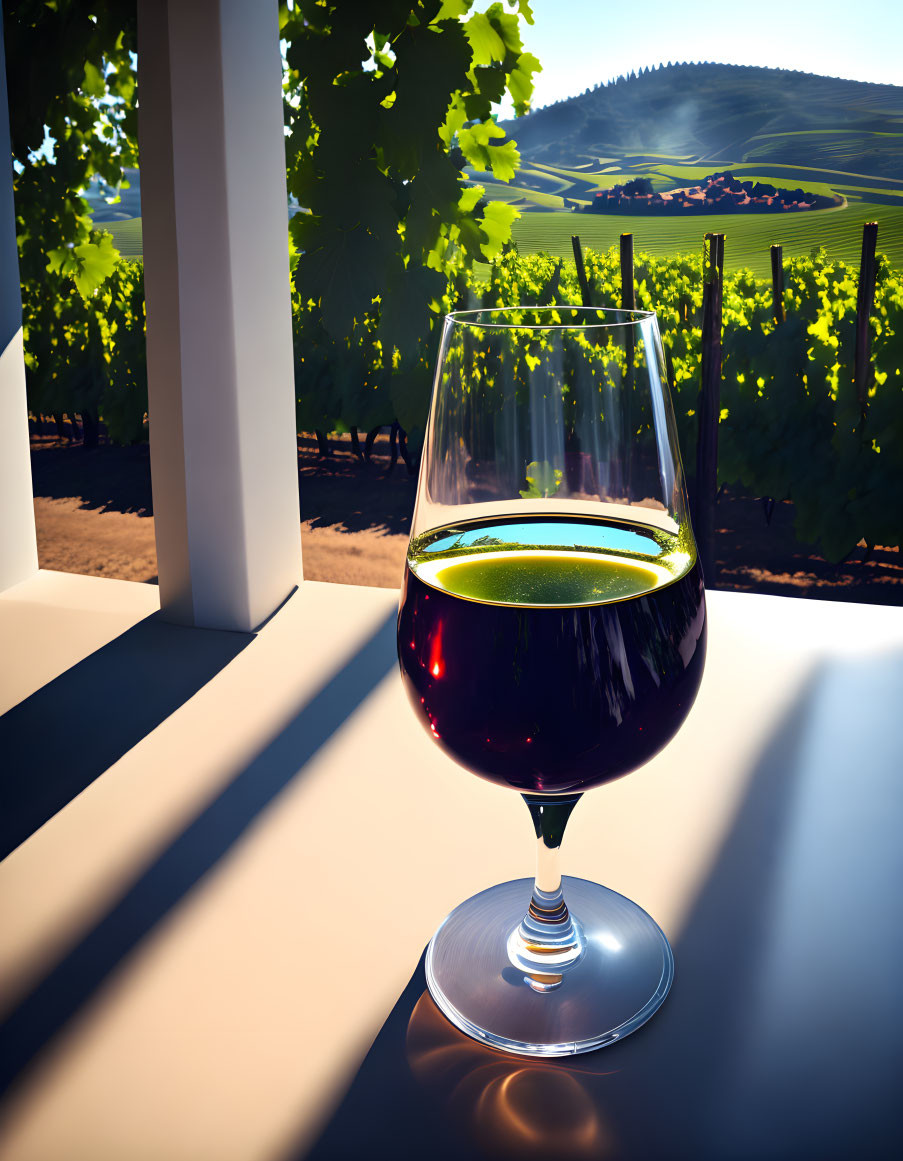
582 42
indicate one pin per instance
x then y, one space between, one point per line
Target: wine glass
551 637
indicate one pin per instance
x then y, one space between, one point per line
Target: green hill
717 113
678 124
126 236
747 238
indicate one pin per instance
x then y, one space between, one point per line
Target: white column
219 341
18 549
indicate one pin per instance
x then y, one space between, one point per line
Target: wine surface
550 654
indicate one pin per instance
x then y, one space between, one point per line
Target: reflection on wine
551 654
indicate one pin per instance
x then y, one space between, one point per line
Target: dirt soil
94 515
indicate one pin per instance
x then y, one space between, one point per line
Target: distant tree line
634 74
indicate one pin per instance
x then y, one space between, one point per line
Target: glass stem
549 941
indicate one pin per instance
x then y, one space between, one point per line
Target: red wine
551 654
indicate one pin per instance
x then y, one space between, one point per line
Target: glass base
620 980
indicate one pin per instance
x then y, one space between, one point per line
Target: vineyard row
790 423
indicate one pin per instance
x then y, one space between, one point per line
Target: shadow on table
58 740
695 1082
205 839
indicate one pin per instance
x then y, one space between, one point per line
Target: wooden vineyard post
628 302
864 301
709 405
628 293
581 270
777 284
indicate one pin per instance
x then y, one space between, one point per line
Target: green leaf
542 480
489 88
504 160
372 154
451 10
370 204
471 239
520 82
507 25
405 308
496 225
60 260
475 142
430 64
484 39
469 198
454 120
93 85
410 395
344 276
434 197
96 260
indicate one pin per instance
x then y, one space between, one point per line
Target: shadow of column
57 741
190 856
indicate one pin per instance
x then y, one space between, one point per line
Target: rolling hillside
678 124
718 113
747 239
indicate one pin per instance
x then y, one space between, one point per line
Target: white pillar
18 549
219 340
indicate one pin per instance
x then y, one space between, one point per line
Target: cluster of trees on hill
721 192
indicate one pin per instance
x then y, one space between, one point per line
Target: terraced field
825 146
545 193
748 237
126 236
524 199
866 198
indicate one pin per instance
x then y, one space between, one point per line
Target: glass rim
467 318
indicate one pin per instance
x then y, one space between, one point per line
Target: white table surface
249 840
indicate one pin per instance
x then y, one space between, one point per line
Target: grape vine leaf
406 304
542 480
97 260
496 225
344 276
485 40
